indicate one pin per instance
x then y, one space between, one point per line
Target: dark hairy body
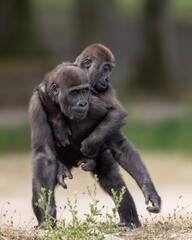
98 61
82 116
98 144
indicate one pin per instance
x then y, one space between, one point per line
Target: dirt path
172 178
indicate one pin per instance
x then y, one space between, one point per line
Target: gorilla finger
156 202
147 200
69 175
85 167
67 142
153 209
79 163
63 144
61 182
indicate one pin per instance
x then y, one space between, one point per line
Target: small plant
44 204
91 227
165 225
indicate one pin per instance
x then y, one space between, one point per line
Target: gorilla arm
44 164
42 134
54 117
129 159
41 130
113 121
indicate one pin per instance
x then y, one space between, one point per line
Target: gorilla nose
82 104
107 79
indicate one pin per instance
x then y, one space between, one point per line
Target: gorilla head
98 62
67 85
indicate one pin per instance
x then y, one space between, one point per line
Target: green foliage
44 204
174 226
165 225
182 8
166 135
14 139
130 7
134 7
169 134
92 226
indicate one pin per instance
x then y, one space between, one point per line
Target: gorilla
54 122
98 62
66 89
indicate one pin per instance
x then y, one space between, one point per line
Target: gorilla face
75 102
68 86
98 62
102 78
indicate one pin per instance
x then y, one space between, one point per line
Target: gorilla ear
83 63
54 89
87 63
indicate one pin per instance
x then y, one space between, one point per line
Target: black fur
47 153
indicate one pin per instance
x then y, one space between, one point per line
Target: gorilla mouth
80 114
101 86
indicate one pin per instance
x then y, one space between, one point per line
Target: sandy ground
171 173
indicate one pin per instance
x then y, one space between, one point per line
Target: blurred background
152 44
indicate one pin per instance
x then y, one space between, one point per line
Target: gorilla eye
85 90
106 68
54 88
74 93
87 63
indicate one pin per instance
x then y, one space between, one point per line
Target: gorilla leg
44 176
109 178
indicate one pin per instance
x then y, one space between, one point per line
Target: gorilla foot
42 225
127 227
87 164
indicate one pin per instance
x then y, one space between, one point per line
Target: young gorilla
66 90
98 61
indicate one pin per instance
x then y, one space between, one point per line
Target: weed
97 225
44 204
91 227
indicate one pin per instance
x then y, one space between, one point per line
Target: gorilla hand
87 164
151 195
90 146
62 134
62 173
